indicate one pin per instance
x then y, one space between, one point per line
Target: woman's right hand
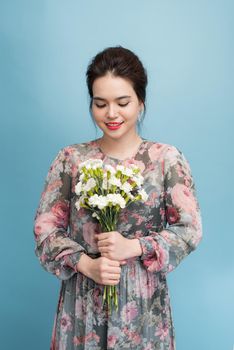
102 270
106 271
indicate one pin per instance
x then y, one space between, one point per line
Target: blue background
187 48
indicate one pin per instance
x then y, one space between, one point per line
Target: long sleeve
164 250
57 252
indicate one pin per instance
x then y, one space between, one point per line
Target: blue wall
187 48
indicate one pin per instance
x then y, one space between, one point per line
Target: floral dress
168 227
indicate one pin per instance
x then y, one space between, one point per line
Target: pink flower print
68 151
183 198
83 339
155 152
129 312
184 171
124 216
65 323
138 163
92 335
112 340
162 213
113 336
162 331
172 156
149 346
139 218
172 215
132 335
89 230
135 337
78 340
157 262
45 223
61 212
52 186
148 226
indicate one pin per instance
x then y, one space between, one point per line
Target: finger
115 271
104 249
101 236
103 243
109 281
114 262
122 262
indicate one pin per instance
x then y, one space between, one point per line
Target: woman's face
115 106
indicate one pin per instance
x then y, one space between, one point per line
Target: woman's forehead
112 87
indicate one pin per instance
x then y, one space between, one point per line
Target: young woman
151 239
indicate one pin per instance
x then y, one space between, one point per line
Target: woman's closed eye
120 104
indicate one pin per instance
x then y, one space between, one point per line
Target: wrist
84 265
134 248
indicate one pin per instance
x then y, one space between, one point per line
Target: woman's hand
114 246
105 271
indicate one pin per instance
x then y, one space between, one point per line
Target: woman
151 238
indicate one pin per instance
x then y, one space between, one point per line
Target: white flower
144 195
98 201
116 199
104 183
93 200
78 188
82 176
126 187
131 196
110 168
95 215
120 167
134 166
91 164
102 202
114 181
124 170
77 204
138 179
90 184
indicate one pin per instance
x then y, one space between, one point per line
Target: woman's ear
141 105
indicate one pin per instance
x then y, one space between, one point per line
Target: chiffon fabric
168 226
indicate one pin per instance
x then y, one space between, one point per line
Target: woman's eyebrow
103 99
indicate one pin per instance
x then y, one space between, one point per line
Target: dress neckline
95 143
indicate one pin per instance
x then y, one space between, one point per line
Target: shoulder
158 150
75 152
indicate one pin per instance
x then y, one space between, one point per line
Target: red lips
114 125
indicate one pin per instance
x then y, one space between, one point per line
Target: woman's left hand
113 245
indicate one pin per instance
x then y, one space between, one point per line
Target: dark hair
121 62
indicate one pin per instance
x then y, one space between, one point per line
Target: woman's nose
111 112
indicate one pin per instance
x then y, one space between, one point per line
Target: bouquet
105 190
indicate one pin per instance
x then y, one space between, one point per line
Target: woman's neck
121 147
